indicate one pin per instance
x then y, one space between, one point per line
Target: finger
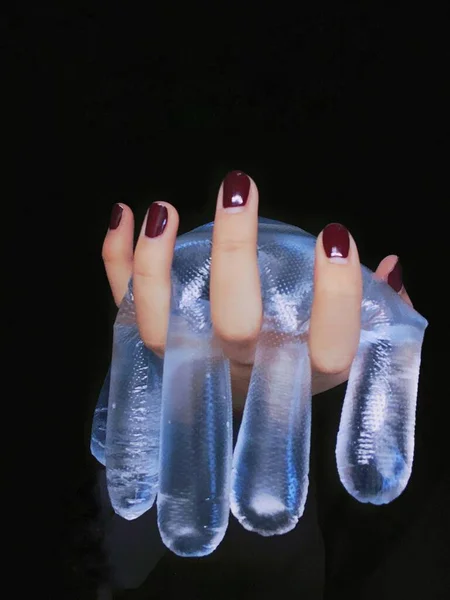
235 292
117 251
151 274
322 382
335 314
390 270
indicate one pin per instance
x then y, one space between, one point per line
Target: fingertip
172 211
390 270
238 193
395 277
332 363
120 216
336 267
117 250
161 220
336 308
335 245
118 241
386 266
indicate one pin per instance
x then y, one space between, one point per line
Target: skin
236 306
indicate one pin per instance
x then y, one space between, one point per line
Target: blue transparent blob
375 444
98 433
133 421
271 458
196 427
266 481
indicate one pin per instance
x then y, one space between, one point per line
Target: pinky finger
390 270
117 252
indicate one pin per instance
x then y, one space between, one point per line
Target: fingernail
236 187
116 215
336 242
156 220
395 279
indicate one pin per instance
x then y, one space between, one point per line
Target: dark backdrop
339 114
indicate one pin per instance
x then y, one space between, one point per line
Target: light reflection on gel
166 432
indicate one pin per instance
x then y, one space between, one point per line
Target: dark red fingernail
336 241
236 187
395 279
156 220
116 215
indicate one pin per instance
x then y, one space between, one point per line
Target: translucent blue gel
170 433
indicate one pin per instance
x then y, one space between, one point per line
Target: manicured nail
116 215
156 220
336 242
395 279
236 187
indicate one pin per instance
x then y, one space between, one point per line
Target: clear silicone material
98 431
271 458
375 444
196 425
266 484
133 420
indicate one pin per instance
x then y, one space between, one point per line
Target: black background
339 114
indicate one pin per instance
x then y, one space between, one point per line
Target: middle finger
235 292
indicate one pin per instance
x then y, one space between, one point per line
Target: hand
236 306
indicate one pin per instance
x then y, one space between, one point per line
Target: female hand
236 306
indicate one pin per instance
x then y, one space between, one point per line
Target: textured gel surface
133 420
267 481
271 459
196 426
98 434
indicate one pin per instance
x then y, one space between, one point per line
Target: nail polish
395 279
336 242
236 187
156 220
116 216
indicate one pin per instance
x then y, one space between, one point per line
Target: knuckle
108 255
157 347
331 363
152 325
240 337
337 290
231 246
112 253
141 272
237 325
